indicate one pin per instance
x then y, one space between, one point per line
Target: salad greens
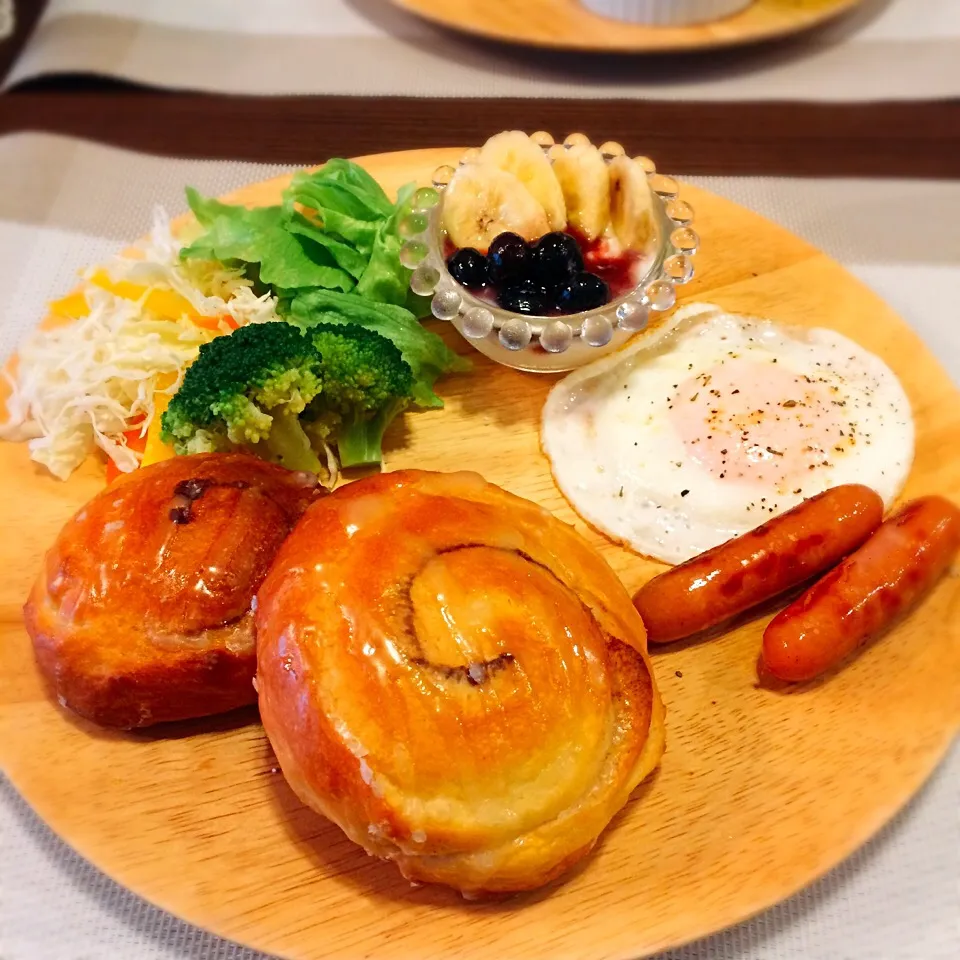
330 254
335 230
260 236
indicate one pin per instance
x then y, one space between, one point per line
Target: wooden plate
568 25
759 793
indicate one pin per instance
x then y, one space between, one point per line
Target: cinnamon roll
455 678
142 611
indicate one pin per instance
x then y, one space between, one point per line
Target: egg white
672 472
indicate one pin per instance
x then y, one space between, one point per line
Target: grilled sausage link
865 593
758 565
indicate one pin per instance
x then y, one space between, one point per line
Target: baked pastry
456 679
142 611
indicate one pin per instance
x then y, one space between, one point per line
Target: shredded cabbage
82 385
86 383
212 288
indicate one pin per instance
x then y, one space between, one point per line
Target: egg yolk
761 423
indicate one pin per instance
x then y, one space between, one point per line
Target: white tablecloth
65 204
886 50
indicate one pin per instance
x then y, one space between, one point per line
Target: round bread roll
456 679
142 611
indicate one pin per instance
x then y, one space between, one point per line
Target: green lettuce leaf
345 254
342 186
386 280
342 200
260 236
335 230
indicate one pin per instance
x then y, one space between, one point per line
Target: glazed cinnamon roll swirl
456 679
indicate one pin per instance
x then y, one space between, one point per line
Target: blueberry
552 293
556 259
584 292
508 259
468 267
524 297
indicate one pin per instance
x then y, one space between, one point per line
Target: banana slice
514 152
481 202
631 204
583 178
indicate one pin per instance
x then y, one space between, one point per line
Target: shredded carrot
134 441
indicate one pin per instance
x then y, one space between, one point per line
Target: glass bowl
552 343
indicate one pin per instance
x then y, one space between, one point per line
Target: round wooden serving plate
568 25
760 791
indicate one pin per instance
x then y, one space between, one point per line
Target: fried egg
715 423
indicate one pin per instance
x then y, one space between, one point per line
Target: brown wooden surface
760 791
569 25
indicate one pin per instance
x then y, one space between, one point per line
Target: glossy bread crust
142 610
456 679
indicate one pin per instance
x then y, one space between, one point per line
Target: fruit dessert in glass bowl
547 255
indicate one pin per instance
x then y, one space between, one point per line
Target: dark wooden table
883 139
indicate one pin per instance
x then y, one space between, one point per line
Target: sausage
865 593
745 571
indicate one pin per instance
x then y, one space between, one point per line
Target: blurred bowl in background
666 13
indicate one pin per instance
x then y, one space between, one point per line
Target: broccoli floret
247 390
286 396
207 441
366 384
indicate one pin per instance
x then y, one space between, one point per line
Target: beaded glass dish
552 343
